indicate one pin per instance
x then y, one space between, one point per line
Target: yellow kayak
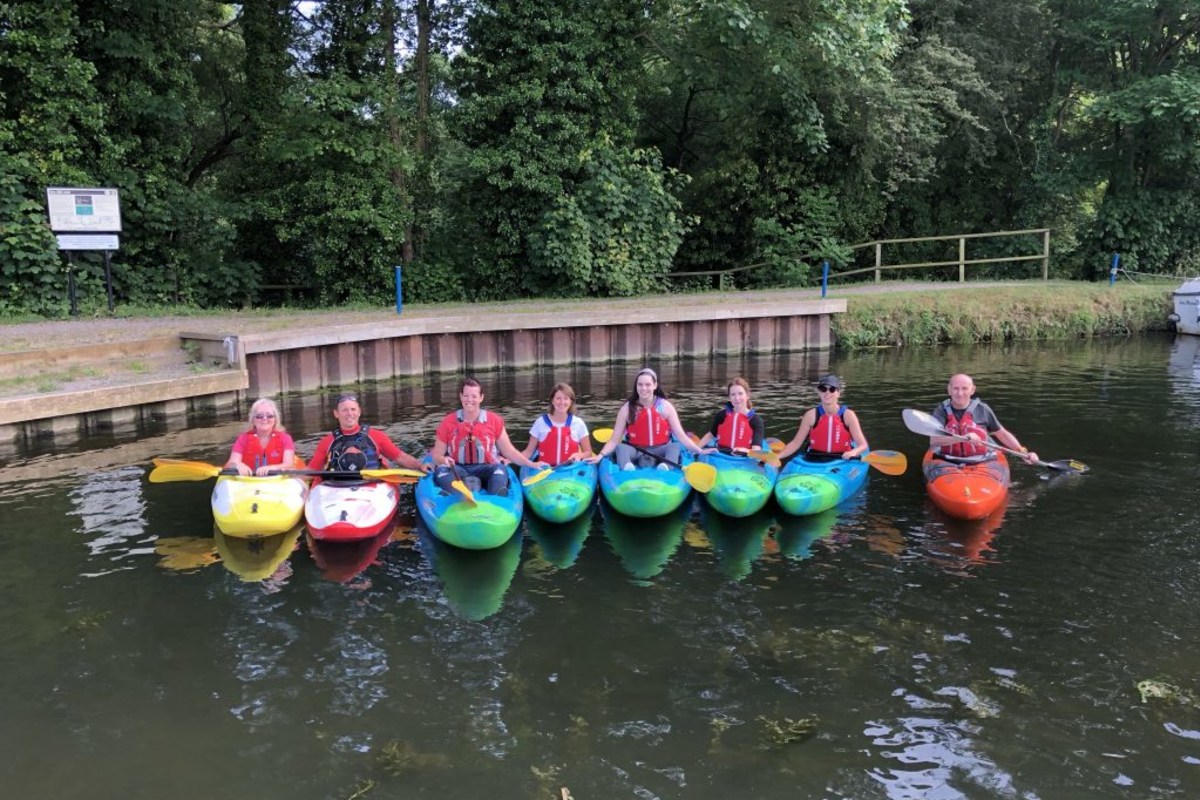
254 507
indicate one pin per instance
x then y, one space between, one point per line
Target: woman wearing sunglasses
266 447
831 428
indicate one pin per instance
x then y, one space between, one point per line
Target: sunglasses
264 416
824 387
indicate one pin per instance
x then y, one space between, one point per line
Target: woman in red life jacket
830 428
736 428
644 428
470 442
351 447
966 415
266 447
560 435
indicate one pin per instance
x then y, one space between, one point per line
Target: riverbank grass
1055 310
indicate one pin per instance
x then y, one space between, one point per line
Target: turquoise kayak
649 492
566 494
810 484
743 484
488 522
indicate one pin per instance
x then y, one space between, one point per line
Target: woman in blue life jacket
964 414
560 435
737 428
642 434
831 428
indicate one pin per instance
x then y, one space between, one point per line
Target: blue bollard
824 277
1112 270
399 296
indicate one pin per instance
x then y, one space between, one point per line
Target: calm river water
878 651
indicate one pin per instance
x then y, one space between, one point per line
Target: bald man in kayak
964 414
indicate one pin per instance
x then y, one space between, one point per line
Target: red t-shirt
254 455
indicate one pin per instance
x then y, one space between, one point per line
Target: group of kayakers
472 441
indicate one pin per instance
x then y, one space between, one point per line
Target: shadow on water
643 545
559 543
474 581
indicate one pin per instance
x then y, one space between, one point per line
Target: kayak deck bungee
488 522
350 510
645 491
743 485
252 507
566 494
966 491
255 559
811 483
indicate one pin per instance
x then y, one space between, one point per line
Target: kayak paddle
167 470
700 476
889 462
926 425
460 486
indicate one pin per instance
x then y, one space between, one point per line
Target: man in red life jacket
964 414
470 442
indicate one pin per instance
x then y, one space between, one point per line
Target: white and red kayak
349 510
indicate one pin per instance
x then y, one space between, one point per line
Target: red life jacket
558 446
962 427
734 430
648 427
830 434
474 442
255 455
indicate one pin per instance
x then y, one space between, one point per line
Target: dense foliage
505 148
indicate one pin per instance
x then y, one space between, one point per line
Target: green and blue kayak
812 483
743 485
486 522
644 492
566 494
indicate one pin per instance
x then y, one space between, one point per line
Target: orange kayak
966 491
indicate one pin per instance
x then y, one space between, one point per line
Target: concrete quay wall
302 361
243 366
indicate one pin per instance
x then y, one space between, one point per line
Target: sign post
85 219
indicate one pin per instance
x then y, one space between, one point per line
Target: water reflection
474 581
739 542
259 560
644 545
558 544
859 665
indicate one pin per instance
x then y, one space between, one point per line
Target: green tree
545 85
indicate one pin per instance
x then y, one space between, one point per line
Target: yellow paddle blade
537 477
602 435
765 456
889 462
172 469
701 477
393 475
776 445
465 491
